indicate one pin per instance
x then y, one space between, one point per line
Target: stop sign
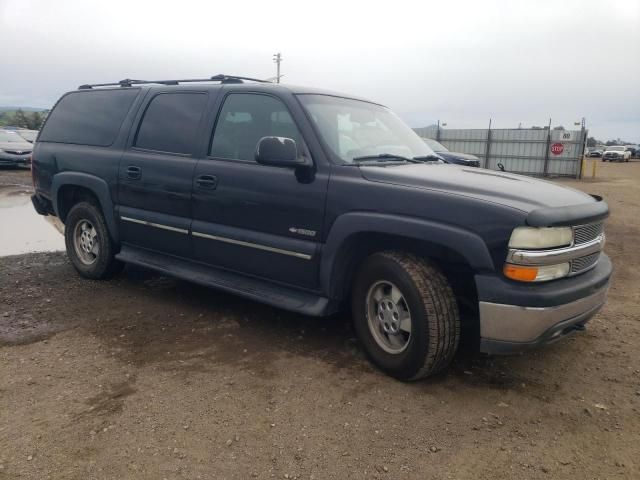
557 148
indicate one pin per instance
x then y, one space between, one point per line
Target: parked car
15 151
314 201
594 153
616 153
452 157
632 149
28 135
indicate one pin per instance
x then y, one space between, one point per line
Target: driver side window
244 119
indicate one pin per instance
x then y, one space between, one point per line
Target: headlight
541 238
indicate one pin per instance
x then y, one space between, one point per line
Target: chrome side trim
252 245
156 225
514 323
555 256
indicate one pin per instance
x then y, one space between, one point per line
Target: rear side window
170 122
88 117
244 119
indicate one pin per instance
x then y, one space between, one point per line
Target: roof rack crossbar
128 82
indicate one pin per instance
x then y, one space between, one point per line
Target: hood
24 146
516 191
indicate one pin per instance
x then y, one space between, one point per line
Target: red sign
557 148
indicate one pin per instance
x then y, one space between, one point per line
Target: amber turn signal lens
520 273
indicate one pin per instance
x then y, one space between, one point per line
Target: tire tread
441 306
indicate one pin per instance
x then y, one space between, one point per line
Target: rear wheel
89 245
405 314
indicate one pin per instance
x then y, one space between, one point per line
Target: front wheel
405 314
89 246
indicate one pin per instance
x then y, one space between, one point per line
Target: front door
260 220
156 173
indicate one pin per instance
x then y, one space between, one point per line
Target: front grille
18 152
586 233
584 263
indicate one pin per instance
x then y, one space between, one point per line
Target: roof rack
128 82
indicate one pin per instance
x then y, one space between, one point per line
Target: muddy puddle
22 230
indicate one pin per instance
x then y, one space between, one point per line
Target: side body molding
97 185
468 244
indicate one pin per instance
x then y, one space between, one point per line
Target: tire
426 296
89 245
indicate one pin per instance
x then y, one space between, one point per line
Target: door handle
210 182
134 172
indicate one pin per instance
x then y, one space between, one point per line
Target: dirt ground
147 377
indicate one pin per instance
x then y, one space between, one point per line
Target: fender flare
96 185
467 244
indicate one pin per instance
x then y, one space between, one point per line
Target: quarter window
170 122
89 117
244 120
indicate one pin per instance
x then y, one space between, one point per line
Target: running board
249 287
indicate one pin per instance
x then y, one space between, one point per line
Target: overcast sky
458 61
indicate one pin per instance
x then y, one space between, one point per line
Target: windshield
616 149
356 129
10 137
435 146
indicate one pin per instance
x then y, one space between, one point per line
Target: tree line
20 118
592 142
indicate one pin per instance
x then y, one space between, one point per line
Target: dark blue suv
314 201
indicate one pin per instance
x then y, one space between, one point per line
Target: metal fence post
583 143
487 151
545 171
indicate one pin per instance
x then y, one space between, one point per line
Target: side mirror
279 152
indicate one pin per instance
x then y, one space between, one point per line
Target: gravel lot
148 377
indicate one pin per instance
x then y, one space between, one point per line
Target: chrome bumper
511 328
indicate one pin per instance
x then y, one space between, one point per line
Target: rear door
260 220
156 171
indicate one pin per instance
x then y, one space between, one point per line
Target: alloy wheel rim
388 317
86 242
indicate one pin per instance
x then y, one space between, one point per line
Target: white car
617 153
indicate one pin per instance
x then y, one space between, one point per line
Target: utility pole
277 58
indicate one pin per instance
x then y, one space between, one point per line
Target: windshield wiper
428 158
385 156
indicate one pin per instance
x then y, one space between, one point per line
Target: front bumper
14 160
515 318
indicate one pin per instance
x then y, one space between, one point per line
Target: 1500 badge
303 231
